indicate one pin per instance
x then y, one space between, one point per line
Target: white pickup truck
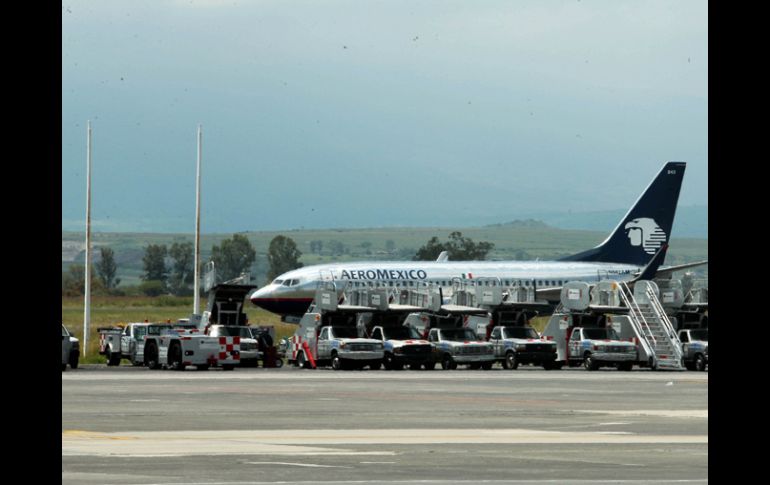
453 346
600 347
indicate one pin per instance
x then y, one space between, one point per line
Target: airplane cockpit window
277 282
287 283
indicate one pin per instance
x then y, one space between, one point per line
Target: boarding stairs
657 336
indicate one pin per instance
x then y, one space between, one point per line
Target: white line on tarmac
665 413
309 465
354 482
317 441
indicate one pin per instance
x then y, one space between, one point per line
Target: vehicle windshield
400 333
458 334
520 332
600 334
140 332
64 332
156 329
234 332
702 334
345 332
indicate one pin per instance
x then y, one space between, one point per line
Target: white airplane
634 250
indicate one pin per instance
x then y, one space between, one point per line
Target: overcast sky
345 113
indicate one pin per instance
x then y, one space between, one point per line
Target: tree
316 246
464 249
73 281
234 257
430 251
182 269
107 269
337 248
282 256
459 248
154 261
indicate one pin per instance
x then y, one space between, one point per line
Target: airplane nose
260 294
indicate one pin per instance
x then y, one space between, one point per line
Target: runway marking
441 481
310 465
665 413
296 442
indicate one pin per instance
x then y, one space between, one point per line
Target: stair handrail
637 317
667 326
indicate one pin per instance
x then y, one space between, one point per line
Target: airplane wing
672 269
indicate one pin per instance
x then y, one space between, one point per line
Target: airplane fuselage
292 292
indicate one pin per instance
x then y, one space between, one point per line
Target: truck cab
516 345
600 347
460 345
695 348
403 345
342 348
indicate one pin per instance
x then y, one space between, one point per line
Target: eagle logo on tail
645 232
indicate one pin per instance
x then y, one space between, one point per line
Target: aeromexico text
384 274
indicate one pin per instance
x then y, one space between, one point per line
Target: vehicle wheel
487 365
175 357
202 367
278 363
447 361
548 365
589 362
388 361
151 356
336 362
112 359
700 363
510 361
74 358
558 366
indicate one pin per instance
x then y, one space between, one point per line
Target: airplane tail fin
646 227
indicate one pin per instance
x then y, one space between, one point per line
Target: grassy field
108 311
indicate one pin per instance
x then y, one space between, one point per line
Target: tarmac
131 425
